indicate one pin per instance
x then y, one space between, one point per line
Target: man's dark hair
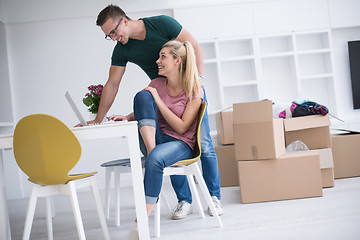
111 11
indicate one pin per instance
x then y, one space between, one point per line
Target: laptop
75 109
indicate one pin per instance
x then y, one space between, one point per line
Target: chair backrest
197 147
45 149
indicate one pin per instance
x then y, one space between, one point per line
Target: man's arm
109 92
185 35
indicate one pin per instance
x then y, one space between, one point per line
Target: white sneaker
218 206
133 234
182 210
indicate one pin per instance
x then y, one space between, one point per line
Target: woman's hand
154 93
118 118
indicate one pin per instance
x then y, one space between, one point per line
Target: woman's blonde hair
189 76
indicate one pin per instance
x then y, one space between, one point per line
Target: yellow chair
46 150
190 168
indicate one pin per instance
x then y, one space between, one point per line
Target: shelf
315 51
276 55
275 44
316 76
230 48
246 83
312 40
6 124
314 64
240 94
210 61
208 49
242 58
236 72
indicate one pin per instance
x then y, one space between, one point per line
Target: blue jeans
209 165
168 150
208 158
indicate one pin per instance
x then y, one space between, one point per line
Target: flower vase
92 116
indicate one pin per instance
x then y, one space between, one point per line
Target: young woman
166 112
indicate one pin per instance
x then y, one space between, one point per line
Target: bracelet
201 78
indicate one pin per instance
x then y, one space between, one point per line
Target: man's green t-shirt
144 53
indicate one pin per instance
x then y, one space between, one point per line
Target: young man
139 42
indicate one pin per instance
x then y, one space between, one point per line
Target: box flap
253 111
345 131
313 121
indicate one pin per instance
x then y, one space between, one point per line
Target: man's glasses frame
113 32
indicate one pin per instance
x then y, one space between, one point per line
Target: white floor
335 216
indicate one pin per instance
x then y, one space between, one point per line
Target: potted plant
92 98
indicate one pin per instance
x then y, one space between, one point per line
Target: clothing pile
301 108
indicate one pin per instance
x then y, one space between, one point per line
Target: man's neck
138 29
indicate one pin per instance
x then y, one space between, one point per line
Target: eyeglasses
113 32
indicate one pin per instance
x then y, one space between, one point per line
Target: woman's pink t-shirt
177 105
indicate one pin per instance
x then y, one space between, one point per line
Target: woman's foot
133 234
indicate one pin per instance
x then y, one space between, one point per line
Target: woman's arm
180 125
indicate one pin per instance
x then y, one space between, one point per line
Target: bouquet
92 98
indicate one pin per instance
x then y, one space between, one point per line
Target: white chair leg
48 203
117 196
157 218
107 191
99 208
53 211
195 194
204 190
30 213
76 210
164 199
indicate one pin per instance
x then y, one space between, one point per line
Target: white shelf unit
282 67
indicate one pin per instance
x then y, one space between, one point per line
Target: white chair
190 168
116 168
46 150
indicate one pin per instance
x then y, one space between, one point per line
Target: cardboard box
224 126
313 130
227 165
327 175
256 134
326 157
326 166
294 175
346 154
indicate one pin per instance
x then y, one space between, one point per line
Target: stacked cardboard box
314 132
226 151
346 152
266 173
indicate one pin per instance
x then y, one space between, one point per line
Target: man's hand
93 122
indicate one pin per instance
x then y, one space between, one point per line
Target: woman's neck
173 85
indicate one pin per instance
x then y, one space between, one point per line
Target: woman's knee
154 162
143 97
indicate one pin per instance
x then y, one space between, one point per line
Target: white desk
6 141
125 129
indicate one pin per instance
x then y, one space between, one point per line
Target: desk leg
138 186
4 214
